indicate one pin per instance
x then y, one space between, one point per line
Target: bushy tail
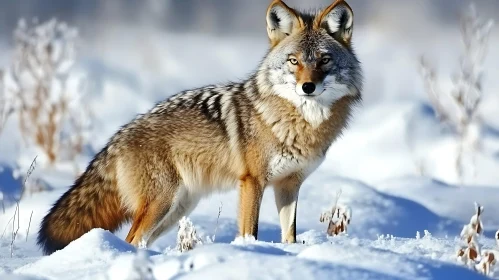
92 202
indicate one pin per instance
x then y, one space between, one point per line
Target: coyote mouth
312 95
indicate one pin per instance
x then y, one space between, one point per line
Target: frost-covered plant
487 262
471 254
187 238
489 259
459 108
47 91
339 218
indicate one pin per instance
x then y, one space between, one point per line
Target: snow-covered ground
383 240
395 167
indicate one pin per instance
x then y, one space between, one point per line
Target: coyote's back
273 129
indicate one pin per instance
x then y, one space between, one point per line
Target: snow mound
448 201
337 258
374 213
95 249
233 262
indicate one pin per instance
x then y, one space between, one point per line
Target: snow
99 254
394 166
381 241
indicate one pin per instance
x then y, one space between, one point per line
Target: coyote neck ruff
273 129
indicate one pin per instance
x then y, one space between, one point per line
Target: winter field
410 179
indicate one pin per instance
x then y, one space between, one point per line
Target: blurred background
119 58
221 17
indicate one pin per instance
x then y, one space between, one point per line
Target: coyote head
311 61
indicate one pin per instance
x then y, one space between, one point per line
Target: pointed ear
337 20
281 21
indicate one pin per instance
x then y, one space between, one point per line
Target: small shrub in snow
339 218
46 91
489 259
187 238
471 254
487 262
459 108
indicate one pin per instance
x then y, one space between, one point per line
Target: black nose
308 88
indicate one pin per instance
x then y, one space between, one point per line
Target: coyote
273 129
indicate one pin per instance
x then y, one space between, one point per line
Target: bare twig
218 218
331 228
28 174
338 194
335 205
29 224
429 76
17 210
459 108
6 226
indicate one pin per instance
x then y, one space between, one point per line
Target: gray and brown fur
266 130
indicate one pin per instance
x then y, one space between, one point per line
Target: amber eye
293 60
325 60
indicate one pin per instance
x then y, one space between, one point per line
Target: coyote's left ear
337 20
281 21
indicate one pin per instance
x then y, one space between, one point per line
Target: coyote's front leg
286 199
